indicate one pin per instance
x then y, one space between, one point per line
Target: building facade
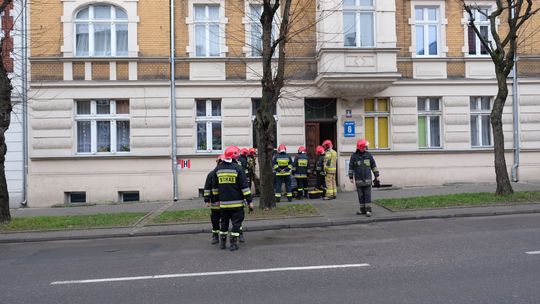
407 75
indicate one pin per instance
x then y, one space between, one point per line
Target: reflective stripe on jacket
300 165
330 161
229 186
361 165
282 164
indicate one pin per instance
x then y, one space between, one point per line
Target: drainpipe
173 107
24 79
515 110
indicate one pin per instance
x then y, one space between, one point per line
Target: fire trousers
331 187
233 215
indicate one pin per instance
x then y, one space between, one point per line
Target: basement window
129 196
75 197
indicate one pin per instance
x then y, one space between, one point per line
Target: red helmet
282 148
327 144
232 152
362 145
244 151
301 149
220 158
319 150
252 151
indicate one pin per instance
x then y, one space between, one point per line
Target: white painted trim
112 70
443 22
190 20
68 71
88 70
132 67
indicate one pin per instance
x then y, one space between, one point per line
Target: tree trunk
501 172
265 124
5 118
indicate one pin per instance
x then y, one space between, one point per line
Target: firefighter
243 160
230 188
209 201
252 173
282 169
319 172
361 165
300 172
330 164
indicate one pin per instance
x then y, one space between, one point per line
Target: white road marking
202 274
532 252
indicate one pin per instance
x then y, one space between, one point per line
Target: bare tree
5 118
502 48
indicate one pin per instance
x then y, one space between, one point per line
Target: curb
313 224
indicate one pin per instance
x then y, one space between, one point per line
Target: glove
250 206
376 183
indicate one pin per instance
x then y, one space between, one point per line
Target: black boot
215 238
368 211
241 238
306 194
223 242
362 211
234 243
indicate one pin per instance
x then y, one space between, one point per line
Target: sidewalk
341 211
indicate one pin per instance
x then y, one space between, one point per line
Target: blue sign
349 128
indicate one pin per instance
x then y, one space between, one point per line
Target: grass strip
456 200
203 214
43 223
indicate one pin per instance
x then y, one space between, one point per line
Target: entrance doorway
320 125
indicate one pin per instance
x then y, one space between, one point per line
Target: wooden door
312 141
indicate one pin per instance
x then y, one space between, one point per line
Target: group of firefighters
228 186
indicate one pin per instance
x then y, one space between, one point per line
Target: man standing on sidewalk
330 165
360 166
231 189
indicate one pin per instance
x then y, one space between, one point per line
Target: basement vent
129 196
76 197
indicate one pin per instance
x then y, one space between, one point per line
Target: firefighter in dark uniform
300 172
230 188
243 160
215 213
252 171
282 170
361 165
319 170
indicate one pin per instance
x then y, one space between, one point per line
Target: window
255 30
128 196
207 30
482 23
358 23
429 122
480 124
102 126
75 197
427 31
255 102
208 125
101 30
376 122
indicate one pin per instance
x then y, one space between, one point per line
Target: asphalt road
467 260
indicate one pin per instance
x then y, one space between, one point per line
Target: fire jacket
300 165
330 161
243 161
229 186
207 195
319 166
360 165
282 164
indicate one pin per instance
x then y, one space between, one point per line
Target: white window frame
93 117
425 24
375 115
209 119
90 23
441 33
481 114
358 10
248 49
429 115
465 21
191 49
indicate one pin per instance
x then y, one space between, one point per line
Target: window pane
422 142
213 12
421 104
419 14
200 12
471 40
484 31
486 103
102 12
216 107
216 136
369 105
483 15
349 29
201 136
214 39
84 136
366 29
102 39
434 104
433 48
122 107
432 14
122 136
256 40
81 39
103 107
366 2
121 39
383 132
473 103
83 107
201 107
200 40
349 2
420 40
474 130
370 130
120 14
434 125
486 131
255 12
83 14
103 136
382 105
